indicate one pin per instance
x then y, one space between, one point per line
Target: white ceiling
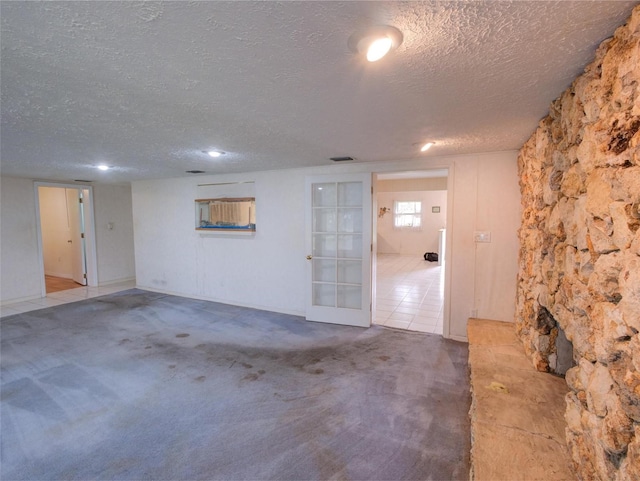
146 86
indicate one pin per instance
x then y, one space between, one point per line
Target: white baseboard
116 281
223 301
16 300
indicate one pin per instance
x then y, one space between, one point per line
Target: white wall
500 212
408 241
412 185
20 273
268 270
20 267
487 198
112 205
56 250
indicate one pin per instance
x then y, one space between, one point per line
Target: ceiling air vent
194 171
341 159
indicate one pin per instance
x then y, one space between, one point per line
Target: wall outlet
482 236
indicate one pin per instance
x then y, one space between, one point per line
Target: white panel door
76 228
338 242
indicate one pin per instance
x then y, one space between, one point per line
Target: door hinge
371 190
82 235
371 247
80 200
84 276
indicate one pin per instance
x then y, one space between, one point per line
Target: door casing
90 237
448 244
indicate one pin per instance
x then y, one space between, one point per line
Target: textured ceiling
146 86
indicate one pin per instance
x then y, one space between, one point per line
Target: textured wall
580 254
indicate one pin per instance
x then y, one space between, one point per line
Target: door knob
309 258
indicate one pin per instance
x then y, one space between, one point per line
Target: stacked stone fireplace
578 301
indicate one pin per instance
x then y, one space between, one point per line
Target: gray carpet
140 385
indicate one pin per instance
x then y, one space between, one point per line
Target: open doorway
65 237
411 221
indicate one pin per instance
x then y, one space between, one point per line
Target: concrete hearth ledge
517 413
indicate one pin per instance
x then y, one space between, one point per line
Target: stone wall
579 270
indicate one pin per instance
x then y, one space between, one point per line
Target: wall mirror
237 214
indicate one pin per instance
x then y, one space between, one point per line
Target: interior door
76 229
338 242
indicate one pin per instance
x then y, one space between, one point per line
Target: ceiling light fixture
103 167
213 153
426 146
375 42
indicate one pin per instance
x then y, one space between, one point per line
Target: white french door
338 242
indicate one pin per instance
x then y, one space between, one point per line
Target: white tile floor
409 293
63 297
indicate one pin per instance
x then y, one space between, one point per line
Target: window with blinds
407 215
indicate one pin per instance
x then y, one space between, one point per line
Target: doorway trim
90 232
446 317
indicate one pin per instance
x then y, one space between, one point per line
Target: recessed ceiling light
103 167
378 49
375 42
426 146
213 153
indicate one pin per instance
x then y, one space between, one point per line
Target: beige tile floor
63 297
409 293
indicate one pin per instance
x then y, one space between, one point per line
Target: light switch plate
482 236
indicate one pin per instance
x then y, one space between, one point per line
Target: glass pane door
338 241
337 244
